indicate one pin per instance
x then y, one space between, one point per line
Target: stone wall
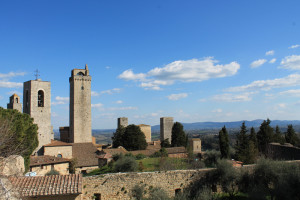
282 152
146 129
62 168
65 151
119 186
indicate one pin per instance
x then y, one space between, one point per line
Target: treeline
248 146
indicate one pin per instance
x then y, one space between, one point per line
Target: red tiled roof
85 154
48 185
55 143
44 160
114 151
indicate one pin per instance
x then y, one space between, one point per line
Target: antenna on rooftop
36 74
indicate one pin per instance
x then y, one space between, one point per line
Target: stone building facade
122 121
166 124
37 103
15 103
146 129
195 144
80 106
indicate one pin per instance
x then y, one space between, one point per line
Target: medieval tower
122 121
37 103
15 103
80 129
166 125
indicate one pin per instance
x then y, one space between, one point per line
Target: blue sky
193 60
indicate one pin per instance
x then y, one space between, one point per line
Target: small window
27 100
59 155
82 88
80 74
97 196
17 100
40 98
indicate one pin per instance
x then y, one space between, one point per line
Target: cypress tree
290 136
179 138
224 143
278 136
242 144
117 139
264 135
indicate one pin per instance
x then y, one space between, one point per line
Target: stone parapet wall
120 185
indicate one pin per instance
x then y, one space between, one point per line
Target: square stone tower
37 103
80 106
146 129
15 103
122 121
166 125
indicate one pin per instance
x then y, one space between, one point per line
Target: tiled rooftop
55 143
48 185
44 160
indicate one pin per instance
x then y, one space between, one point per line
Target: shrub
140 156
125 164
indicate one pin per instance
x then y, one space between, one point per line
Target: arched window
17 100
40 98
59 155
26 101
80 74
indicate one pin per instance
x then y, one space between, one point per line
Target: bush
211 157
157 193
125 164
138 191
140 156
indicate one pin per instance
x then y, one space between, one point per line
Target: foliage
242 144
138 192
73 163
18 134
179 138
117 139
291 137
103 170
161 153
224 143
141 166
157 193
166 164
278 136
165 143
264 135
125 164
52 172
134 138
140 156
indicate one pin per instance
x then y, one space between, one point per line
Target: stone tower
37 103
166 124
80 106
122 121
15 103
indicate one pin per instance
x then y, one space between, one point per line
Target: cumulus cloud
258 63
94 94
112 91
217 110
11 74
123 108
281 105
294 46
60 100
97 105
228 97
8 84
14 92
193 70
288 81
119 102
272 60
295 93
270 53
291 62
175 97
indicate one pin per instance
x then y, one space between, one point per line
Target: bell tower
80 106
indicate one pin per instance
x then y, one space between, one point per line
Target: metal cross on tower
36 74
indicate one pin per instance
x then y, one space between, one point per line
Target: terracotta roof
173 150
105 156
48 185
46 160
114 151
85 154
55 143
147 152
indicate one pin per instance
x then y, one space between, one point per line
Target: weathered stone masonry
119 186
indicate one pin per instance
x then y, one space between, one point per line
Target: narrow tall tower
37 103
166 125
15 103
122 121
80 106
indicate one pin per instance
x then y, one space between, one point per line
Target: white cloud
54 114
112 91
175 97
294 46
119 102
123 108
295 93
281 105
193 70
288 81
272 60
11 74
60 100
94 94
15 92
107 67
270 53
98 105
219 110
227 97
129 75
258 63
7 84
291 62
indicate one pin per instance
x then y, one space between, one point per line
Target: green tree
253 137
290 136
252 147
18 134
125 164
278 136
117 139
264 135
224 143
165 143
242 144
134 138
179 137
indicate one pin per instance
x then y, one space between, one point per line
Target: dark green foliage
141 166
103 170
278 136
211 158
161 153
134 138
179 138
18 134
165 143
224 143
290 136
242 144
125 164
155 193
52 172
253 137
264 135
140 156
117 139
138 192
